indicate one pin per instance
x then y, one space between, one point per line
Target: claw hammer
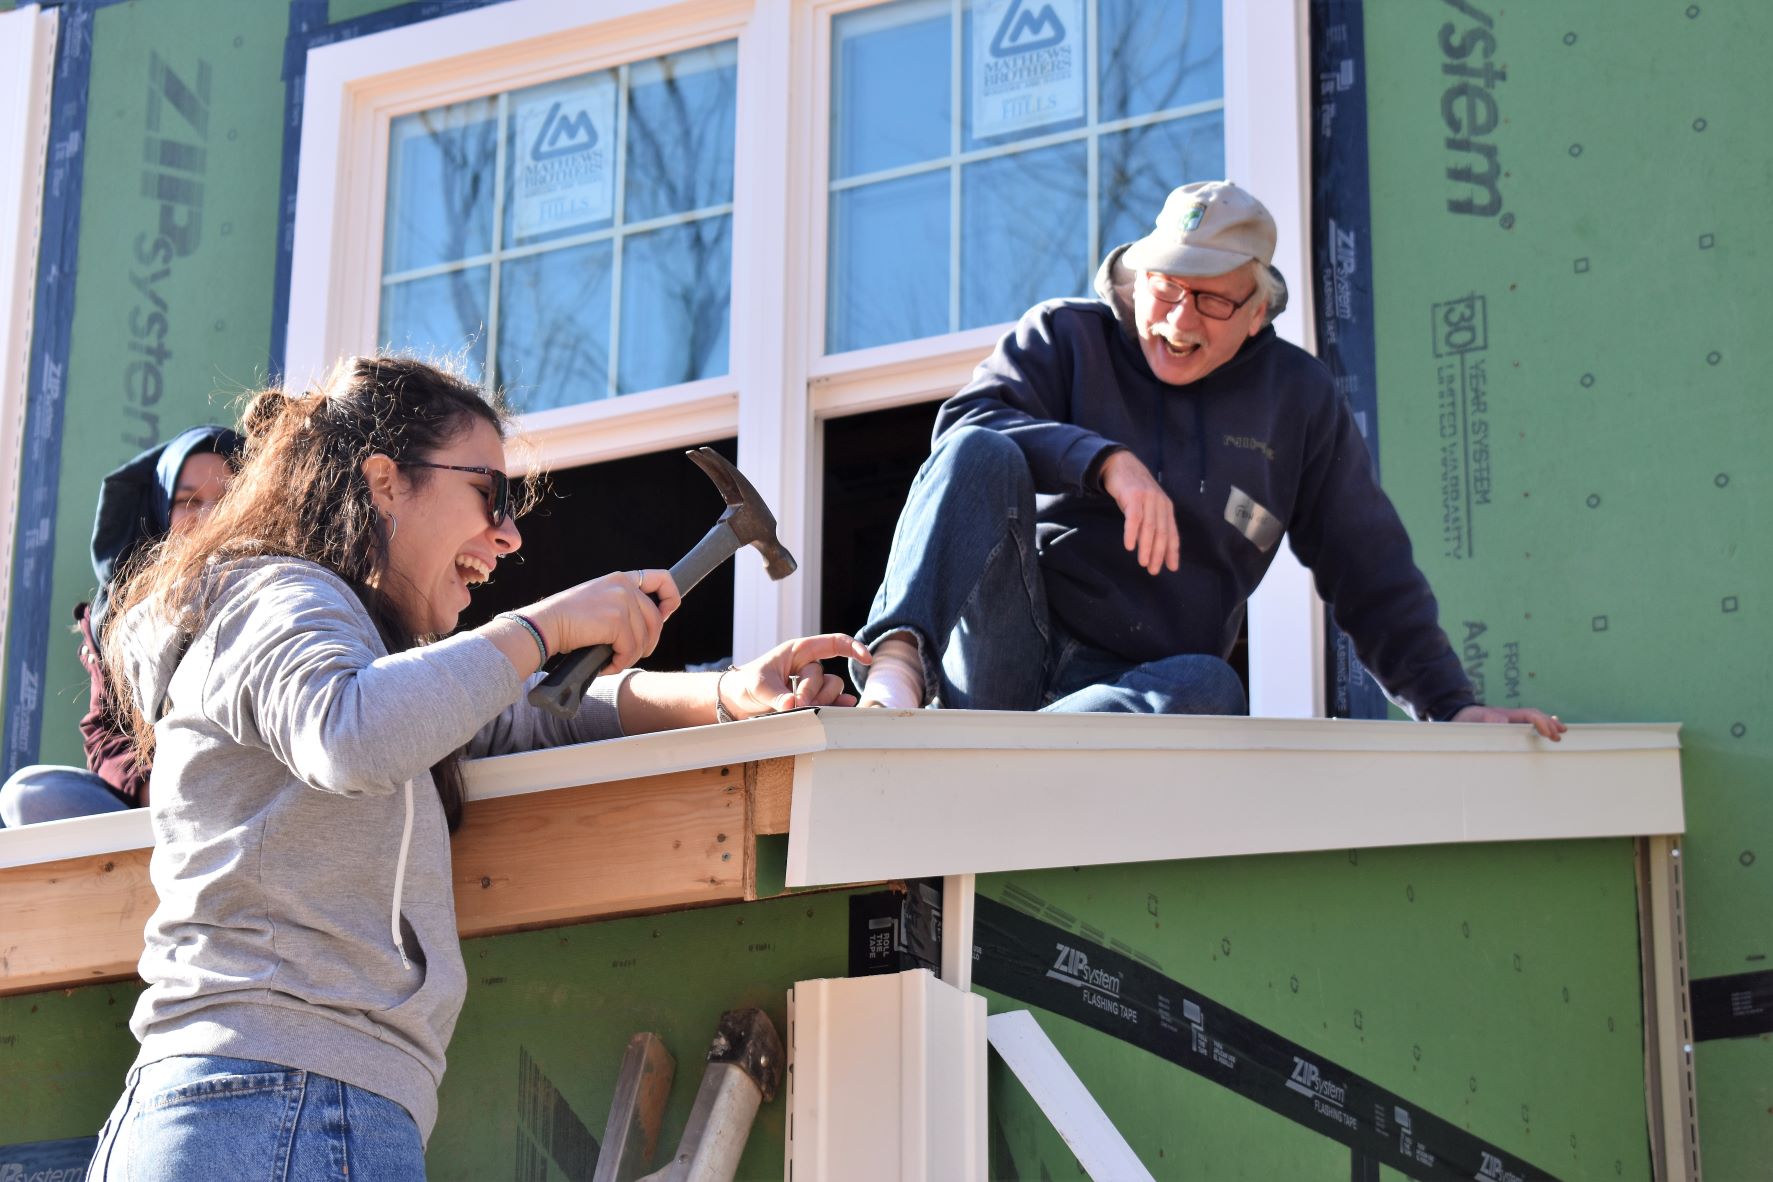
746 522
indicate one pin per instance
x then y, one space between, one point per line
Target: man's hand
1151 516
789 677
1546 724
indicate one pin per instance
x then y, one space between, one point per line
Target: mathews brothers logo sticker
565 174
1028 65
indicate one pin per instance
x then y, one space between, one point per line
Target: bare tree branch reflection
680 152
455 221
1134 79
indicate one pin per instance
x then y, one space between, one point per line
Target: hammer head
746 514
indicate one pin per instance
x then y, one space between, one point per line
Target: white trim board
1087 1131
1016 791
27 63
1267 150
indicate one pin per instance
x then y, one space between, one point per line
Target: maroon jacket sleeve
110 750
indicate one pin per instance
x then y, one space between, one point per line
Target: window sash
959 156
501 252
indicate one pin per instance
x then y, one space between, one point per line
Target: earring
393 527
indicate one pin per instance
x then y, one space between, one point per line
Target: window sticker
1028 64
565 149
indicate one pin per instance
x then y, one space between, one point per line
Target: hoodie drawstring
400 880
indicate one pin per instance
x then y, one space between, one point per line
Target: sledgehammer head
746 515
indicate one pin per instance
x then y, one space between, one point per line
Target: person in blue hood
167 487
1106 492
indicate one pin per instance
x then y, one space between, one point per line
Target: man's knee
1202 684
978 457
1224 687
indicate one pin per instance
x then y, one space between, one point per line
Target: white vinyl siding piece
886 1080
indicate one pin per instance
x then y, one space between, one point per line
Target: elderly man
1104 495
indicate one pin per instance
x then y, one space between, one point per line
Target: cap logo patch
1192 218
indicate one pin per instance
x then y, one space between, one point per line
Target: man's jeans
48 792
205 1116
964 579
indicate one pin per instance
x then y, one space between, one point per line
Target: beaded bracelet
529 626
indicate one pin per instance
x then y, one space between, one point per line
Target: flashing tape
1047 966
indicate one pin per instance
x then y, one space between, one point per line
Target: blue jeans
206 1116
46 792
963 577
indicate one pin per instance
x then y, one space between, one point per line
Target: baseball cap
1206 228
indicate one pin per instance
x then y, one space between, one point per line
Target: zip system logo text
1468 108
1493 1170
175 165
1101 989
1326 1097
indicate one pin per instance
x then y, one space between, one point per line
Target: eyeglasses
1209 304
498 497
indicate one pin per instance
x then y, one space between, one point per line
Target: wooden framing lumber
567 855
605 849
75 921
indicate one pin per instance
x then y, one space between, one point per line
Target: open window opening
870 461
642 511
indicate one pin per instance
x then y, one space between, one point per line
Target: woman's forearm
664 701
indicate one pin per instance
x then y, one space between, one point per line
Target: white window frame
780 385
27 67
1267 48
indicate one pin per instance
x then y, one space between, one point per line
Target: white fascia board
630 758
882 794
76 837
956 792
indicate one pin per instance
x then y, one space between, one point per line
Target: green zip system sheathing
1572 405
173 296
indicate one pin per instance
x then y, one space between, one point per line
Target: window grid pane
1193 90
541 357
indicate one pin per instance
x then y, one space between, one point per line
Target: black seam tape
1046 966
1736 1006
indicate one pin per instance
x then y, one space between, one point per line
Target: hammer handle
561 691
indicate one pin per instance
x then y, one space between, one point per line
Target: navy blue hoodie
1070 385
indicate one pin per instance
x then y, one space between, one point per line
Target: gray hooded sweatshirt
301 854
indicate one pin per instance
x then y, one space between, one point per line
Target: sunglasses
498 497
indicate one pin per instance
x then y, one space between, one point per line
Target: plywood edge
772 792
